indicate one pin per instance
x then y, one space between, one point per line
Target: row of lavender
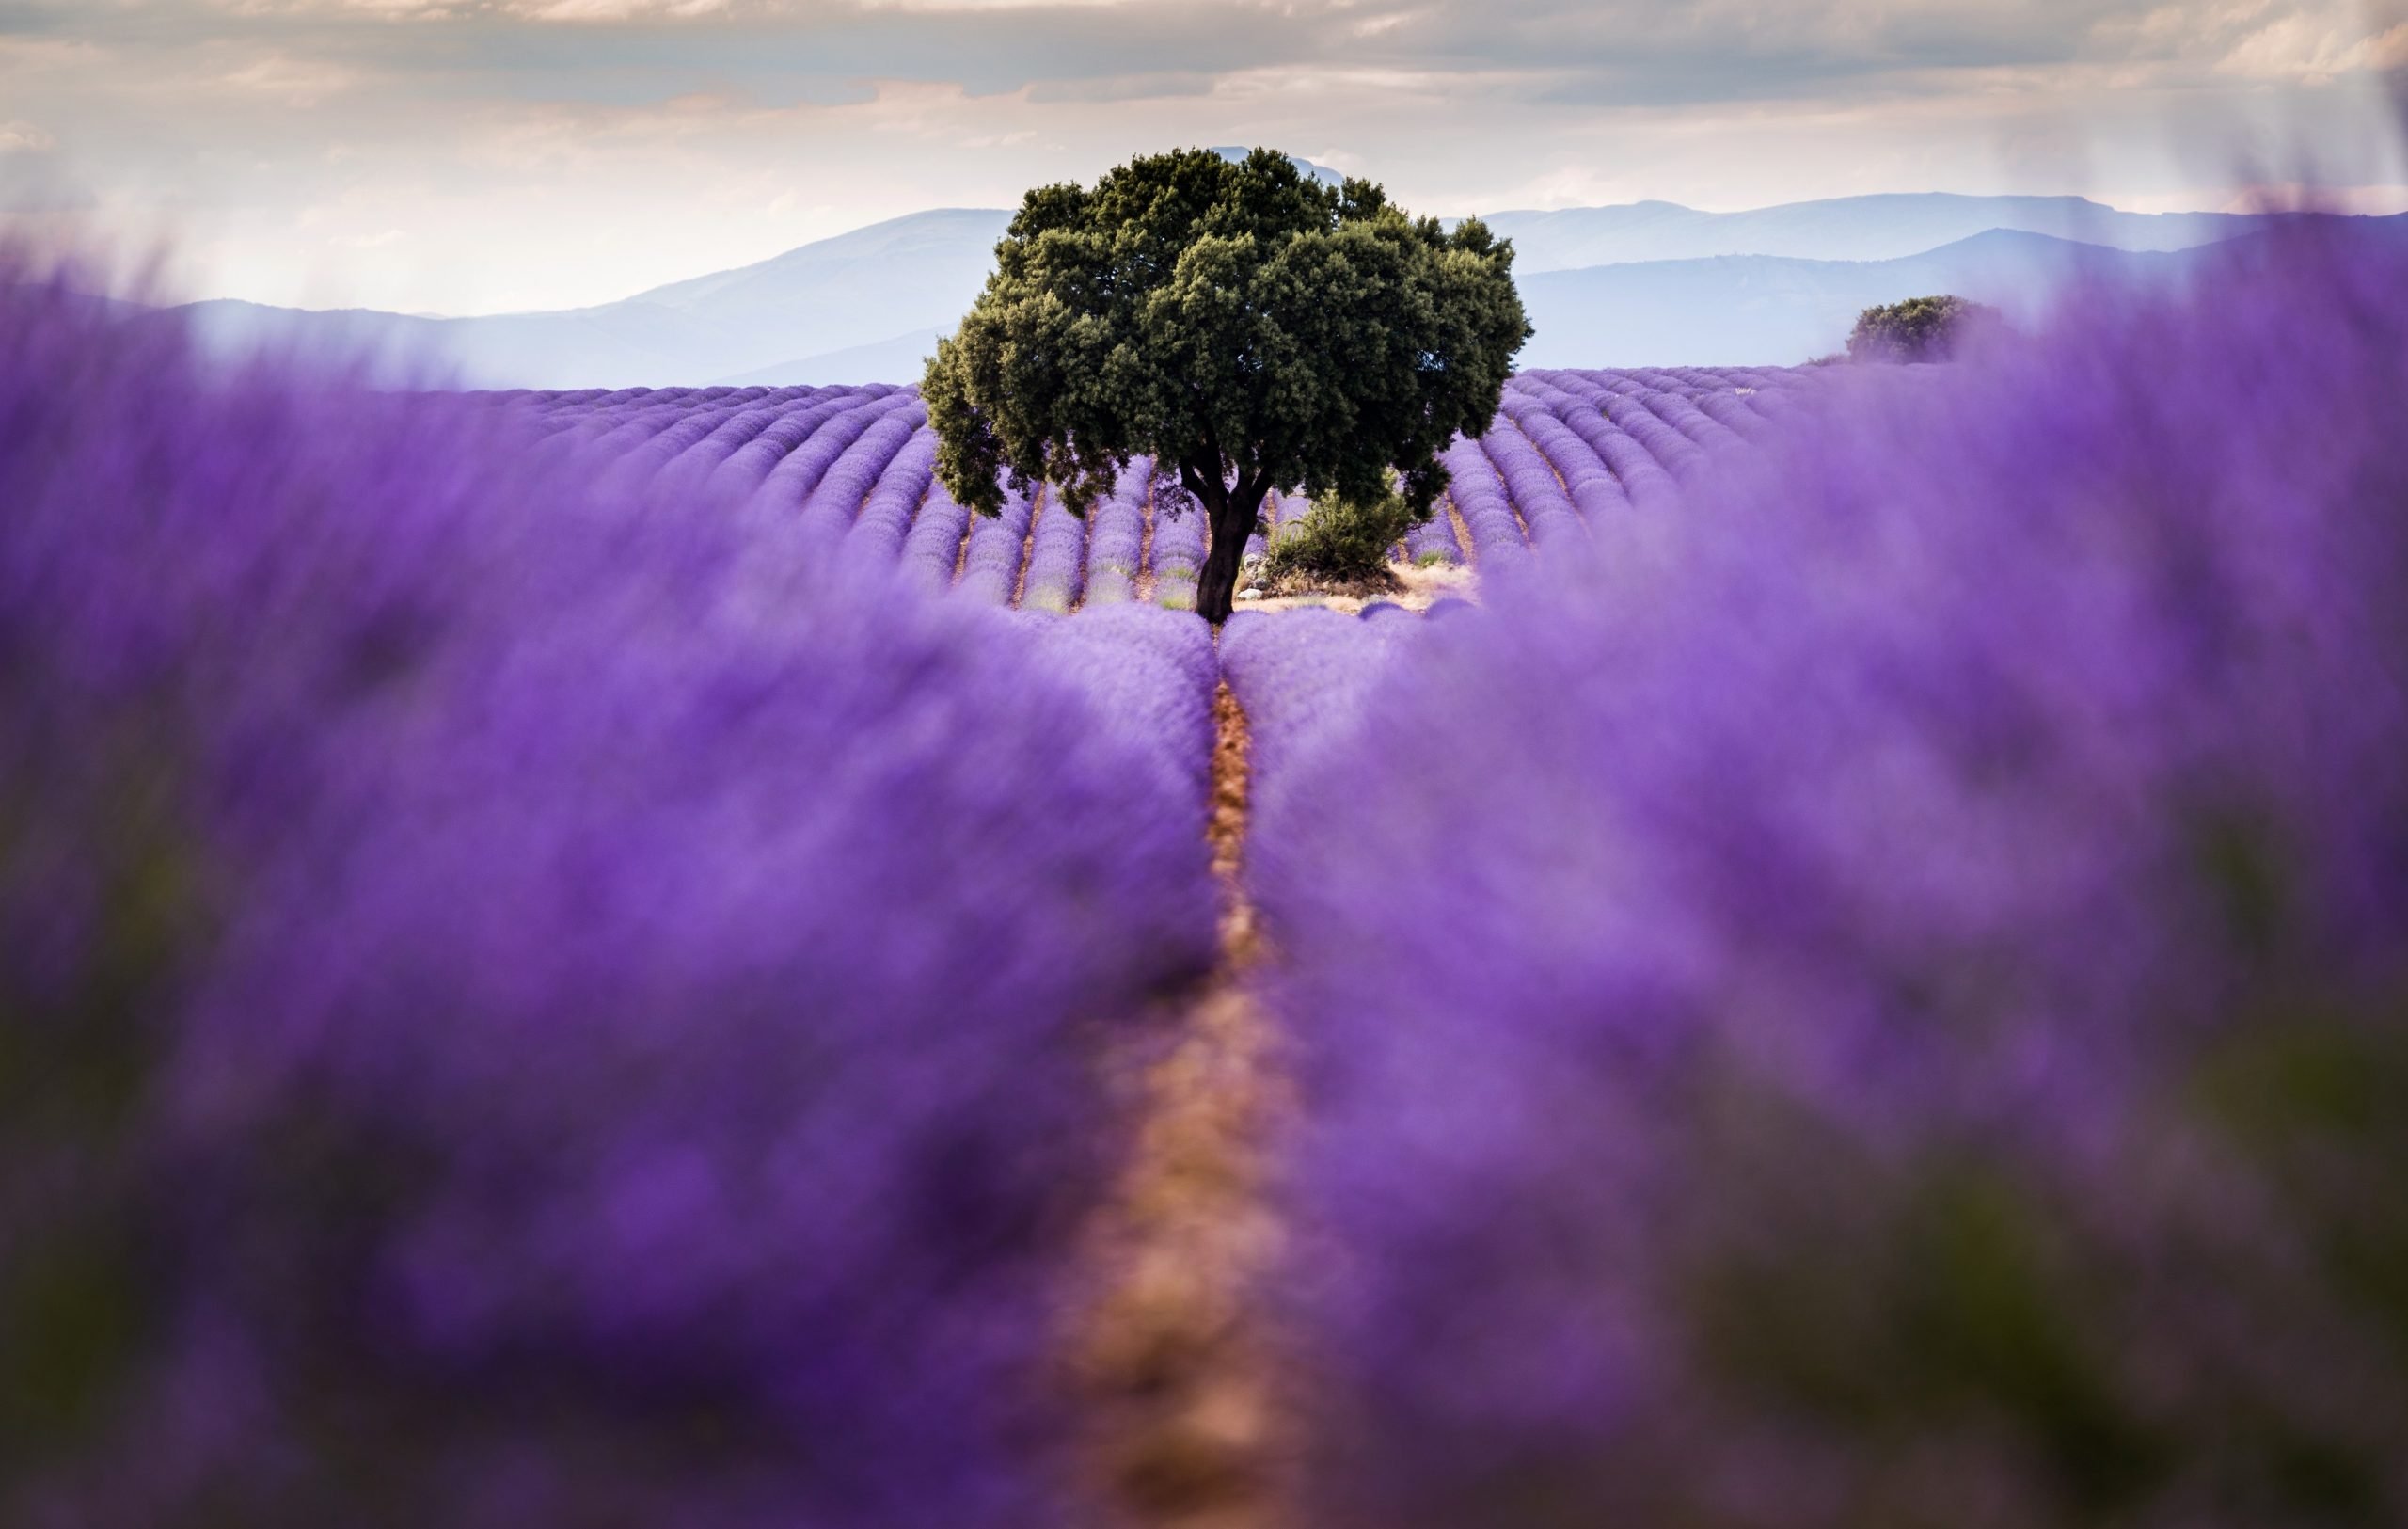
1894 1007
500 1023
853 469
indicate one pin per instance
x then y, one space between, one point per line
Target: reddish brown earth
1172 1357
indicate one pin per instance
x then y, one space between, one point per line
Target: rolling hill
1764 309
1842 229
1645 283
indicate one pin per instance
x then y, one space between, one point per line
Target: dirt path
1418 589
1173 1358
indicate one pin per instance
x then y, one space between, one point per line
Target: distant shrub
1339 541
1918 329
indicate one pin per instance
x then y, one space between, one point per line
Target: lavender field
852 469
622 958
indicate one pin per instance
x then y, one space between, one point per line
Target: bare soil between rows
1173 1361
1416 589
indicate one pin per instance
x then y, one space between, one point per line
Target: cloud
1162 85
653 138
615 10
24 139
2314 51
295 82
1598 51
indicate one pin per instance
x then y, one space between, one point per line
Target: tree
1918 330
1235 320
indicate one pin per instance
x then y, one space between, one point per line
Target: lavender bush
1479 495
1923 1018
1585 479
1302 678
693 465
1058 550
1577 400
994 553
503 1024
746 465
842 473
1434 541
1116 539
783 468
1177 552
933 550
874 543
1153 672
835 502
693 426
1531 483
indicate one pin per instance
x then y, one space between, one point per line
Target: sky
468 157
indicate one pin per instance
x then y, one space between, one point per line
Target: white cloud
2315 50
614 10
554 152
294 82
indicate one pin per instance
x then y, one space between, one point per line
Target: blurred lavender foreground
519 1004
1885 1002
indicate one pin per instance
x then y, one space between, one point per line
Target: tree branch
1208 489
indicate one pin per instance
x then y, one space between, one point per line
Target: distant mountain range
1755 309
1843 228
818 314
1762 309
1651 283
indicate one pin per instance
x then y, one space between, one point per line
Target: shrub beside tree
1918 330
1341 542
1238 322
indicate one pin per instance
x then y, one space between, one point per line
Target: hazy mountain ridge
1883 226
1774 309
1773 285
1759 309
899 358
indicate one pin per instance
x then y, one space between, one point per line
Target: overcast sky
480 155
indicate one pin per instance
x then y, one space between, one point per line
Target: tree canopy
1918 330
1236 321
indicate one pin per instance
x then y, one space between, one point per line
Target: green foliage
1918 330
1341 541
1242 324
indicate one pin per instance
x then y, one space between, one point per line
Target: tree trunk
1233 524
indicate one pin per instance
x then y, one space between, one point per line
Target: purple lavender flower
1302 678
1117 537
1177 554
829 510
1577 401
1585 479
502 1023
1056 557
933 550
1922 1004
688 472
784 467
1480 499
1434 540
992 558
1537 493
875 540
